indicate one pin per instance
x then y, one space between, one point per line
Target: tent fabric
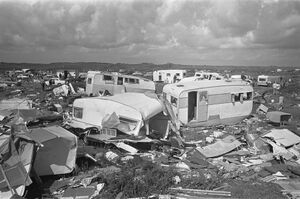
58 153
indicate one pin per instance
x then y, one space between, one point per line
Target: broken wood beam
203 192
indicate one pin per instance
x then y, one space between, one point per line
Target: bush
138 178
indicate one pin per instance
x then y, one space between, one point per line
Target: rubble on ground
176 162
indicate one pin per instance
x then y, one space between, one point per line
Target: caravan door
202 106
89 84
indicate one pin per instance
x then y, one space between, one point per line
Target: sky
197 32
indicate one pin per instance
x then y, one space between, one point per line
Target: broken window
247 96
89 80
128 124
120 81
78 112
108 131
236 97
133 81
240 97
107 78
174 101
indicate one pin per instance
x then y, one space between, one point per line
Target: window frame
78 112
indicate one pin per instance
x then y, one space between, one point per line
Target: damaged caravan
116 83
127 112
210 102
168 76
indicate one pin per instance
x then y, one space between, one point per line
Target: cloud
148 27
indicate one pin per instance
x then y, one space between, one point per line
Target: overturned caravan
210 102
127 112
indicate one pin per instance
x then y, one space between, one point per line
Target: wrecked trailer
127 112
210 102
116 83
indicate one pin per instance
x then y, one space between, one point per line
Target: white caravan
115 83
208 75
265 80
168 76
202 75
210 102
128 112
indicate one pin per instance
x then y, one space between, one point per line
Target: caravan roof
177 88
172 70
145 103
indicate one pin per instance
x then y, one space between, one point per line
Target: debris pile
59 143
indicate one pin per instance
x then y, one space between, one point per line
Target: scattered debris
183 143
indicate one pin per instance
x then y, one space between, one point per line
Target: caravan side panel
94 110
225 108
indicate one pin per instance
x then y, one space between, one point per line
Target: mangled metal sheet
283 136
220 147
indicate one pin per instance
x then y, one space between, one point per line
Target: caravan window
128 123
107 78
89 80
120 81
240 97
236 97
78 112
126 80
219 98
247 96
134 81
174 101
168 74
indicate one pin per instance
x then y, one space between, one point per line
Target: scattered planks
199 192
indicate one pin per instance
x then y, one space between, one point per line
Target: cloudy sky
218 32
